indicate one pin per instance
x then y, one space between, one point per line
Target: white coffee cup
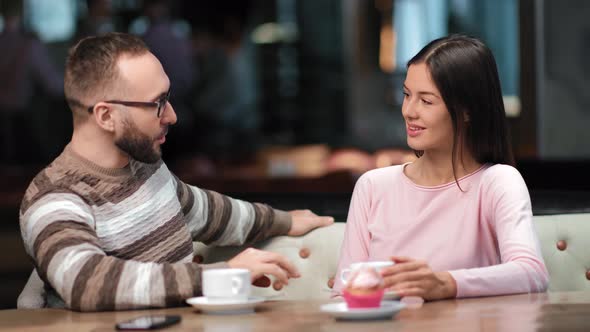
226 285
377 265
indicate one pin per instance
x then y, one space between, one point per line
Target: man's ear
104 116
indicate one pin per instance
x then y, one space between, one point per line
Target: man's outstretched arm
216 219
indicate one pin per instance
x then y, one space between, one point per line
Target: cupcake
364 288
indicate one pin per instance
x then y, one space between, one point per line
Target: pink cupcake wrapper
372 300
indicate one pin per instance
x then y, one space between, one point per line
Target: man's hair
91 67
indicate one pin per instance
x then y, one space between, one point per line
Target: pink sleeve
522 269
355 246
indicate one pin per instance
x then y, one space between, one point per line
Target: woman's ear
466 117
104 116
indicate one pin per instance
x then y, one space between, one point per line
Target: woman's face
428 122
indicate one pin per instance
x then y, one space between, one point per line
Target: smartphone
148 322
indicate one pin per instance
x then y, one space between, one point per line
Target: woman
457 222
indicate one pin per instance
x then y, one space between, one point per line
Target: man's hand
410 277
260 262
304 221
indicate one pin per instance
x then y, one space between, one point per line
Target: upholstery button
561 245
588 274
198 259
304 253
331 281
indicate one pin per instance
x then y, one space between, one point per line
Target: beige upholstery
33 295
316 256
568 268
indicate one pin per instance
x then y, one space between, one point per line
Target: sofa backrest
314 254
564 238
565 243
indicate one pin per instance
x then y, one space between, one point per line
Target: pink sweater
484 236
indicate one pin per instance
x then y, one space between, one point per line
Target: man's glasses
160 104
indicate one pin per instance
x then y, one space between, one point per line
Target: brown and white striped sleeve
216 219
58 231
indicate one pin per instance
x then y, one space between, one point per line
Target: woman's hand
411 277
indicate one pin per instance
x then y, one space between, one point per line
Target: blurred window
52 21
416 22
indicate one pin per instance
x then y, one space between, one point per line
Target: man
107 224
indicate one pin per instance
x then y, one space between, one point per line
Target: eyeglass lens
162 103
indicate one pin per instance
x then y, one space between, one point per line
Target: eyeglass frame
160 103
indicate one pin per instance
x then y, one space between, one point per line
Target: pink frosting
365 278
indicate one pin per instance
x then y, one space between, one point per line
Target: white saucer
391 295
340 310
225 308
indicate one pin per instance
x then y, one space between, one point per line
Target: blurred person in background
225 95
169 40
26 70
97 21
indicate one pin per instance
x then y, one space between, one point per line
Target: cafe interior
288 102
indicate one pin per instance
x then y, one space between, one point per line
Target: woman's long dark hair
465 73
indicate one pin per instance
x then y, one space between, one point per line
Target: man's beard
138 145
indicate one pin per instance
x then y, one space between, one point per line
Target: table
558 311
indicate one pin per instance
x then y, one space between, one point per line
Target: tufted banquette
565 243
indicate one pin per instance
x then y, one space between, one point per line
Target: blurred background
289 101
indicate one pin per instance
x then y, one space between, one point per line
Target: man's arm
215 219
58 232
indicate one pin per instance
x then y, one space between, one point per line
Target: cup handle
344 275
236 285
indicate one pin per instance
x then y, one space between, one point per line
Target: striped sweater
113 239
